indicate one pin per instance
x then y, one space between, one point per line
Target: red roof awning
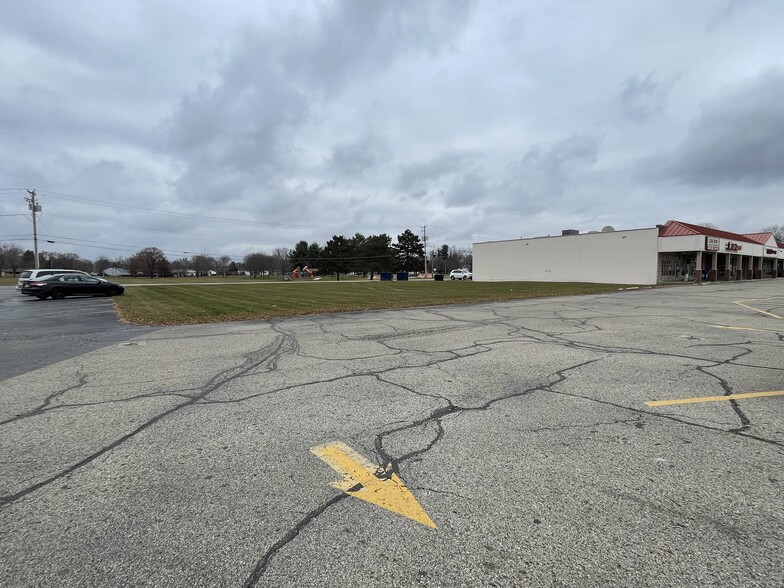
675 228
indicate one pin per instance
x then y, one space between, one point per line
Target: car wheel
453 277
113 291
58 294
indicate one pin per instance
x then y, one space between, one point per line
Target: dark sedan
70 285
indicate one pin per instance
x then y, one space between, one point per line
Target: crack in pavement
45 404
262 565
390 465
517 334
744 420
670 417
266 360
265 356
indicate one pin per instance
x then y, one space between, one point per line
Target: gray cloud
642 99
469 189
278 79
545 173
306 119
421 178
353 159
737 138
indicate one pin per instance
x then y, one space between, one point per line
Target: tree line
366 255
16 259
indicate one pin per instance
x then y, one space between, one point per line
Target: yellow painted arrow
360 481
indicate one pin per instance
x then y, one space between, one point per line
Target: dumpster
438 277
386 276
402 276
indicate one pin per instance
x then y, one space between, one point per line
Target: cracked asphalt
180 456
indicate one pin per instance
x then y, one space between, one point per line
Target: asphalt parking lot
507 444
35 333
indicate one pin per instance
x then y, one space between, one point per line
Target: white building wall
620 257
684 243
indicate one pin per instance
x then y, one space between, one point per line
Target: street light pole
34 207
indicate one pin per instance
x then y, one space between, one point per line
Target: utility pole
424 233
34 207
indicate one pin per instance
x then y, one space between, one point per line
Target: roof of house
674 228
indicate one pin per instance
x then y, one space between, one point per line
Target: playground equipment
300 273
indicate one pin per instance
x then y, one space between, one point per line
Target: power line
197 216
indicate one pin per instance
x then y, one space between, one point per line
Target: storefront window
677 266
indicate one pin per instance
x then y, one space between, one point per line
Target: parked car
60 286
461 274
34 274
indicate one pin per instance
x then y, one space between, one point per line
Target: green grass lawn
161 302
179 301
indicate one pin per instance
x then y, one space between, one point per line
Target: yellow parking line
714 398
744 329
740 303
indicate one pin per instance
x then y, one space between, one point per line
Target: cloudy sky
240 126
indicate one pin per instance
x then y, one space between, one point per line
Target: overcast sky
238 126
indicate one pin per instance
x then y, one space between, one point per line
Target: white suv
34 274
461 274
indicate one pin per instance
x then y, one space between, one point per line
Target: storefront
673 252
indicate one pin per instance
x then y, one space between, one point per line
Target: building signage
772 251
730 246
711 243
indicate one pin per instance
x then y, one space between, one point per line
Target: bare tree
223 264
65 261
150 261
10 257
777 230
180 266
281 255
101 264
202 264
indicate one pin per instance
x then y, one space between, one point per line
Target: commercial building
675 251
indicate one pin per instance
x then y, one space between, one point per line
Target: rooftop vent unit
569 232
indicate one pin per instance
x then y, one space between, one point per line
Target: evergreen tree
409 252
